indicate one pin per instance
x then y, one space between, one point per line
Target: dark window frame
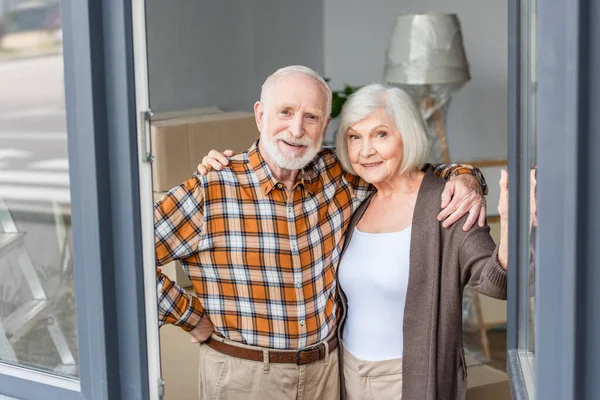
568 147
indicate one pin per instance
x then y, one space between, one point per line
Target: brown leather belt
299 357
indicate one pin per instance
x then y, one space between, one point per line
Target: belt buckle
304 350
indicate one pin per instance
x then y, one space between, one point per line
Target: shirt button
279 185
294 247
298 284
302 322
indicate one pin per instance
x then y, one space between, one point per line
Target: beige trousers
372 380
224 377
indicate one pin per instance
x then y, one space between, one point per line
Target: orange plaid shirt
261 259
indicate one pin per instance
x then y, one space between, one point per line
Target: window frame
105 203
567 322
519 359
515 109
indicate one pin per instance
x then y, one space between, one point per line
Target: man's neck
285 176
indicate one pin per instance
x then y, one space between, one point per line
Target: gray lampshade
426 49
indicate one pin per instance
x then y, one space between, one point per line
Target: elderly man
260 241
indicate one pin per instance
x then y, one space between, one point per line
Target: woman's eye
382 134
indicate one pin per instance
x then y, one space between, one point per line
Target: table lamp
426 58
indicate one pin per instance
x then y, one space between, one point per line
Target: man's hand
463 195
202 331
215 160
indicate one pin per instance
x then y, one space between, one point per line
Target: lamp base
433 102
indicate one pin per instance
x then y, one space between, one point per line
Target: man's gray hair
401 108
267 87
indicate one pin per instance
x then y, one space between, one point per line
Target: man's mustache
304 141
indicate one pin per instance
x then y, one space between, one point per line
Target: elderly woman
402 274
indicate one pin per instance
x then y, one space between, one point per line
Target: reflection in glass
37 302
528 159
532 153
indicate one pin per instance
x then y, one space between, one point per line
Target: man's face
292 121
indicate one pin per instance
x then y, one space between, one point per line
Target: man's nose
296 127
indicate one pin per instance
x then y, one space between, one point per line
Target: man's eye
313 117
285 112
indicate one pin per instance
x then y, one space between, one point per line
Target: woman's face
375 148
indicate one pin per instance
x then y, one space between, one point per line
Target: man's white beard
289 162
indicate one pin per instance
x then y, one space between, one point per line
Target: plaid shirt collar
306 177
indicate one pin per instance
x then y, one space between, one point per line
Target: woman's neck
402 184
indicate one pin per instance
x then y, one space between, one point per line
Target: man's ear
259 113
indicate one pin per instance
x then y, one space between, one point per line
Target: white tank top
374 277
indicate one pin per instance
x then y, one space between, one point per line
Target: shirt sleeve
178 220
450 171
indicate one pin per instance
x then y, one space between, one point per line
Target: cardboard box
493 310
179 363
175 273
193 112
485 382
179 144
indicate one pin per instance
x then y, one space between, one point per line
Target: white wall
356 38
218 53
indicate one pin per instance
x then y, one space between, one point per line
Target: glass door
523 191
38 325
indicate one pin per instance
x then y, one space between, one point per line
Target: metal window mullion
587 347
514 107
523 176
558 234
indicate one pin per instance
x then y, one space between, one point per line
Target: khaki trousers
224 377
372 380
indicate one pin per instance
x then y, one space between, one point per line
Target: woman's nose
367 149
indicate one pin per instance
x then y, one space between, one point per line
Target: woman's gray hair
267 87
401 108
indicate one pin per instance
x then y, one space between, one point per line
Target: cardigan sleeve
480 269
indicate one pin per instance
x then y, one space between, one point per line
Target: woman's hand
503 211
503 201
215 160
533 197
